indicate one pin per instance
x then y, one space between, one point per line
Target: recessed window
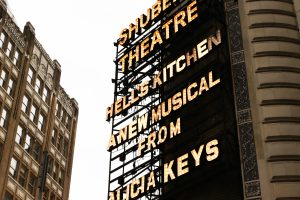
25 104
4 118
33 113
9 48
38 85
16 57
23 173
30 75
11 86
2 39
13 167
3 78
41 122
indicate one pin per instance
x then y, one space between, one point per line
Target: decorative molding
279 85
274 25
272 11
283 138
278 69
16 34
272 102
270 120
277 53
284 1
276 39
285 178
44 53
280 158
248 155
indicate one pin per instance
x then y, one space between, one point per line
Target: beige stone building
37 118
265 44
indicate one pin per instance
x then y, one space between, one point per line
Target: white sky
80 35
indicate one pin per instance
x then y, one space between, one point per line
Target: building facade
38 118
250 116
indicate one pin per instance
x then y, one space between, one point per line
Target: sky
80 35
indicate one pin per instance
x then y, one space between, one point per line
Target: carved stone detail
15 32
242 102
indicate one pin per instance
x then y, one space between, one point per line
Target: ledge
283 138
279 85
280 158
272 11
278 69
273 25
276 39
286 178
270 120
271 102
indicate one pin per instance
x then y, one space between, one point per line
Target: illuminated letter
174 130
151 140
135 55
160 138
132 193
171 67
191 11
144 24
189 95
118 106
156 38
132 129
142 122
197 155
123 36
132 98
112 142
203 85
151 181
179 19
169 108
214 40
141 146
156 81
122 62
125 106
166 4
128 192
178 67
144 88
122 137
211 82
111 196
134 29
145 47
109 112
156 115
177 101
167 27
190 56
181 164
156 9
168 171
212 152
202 49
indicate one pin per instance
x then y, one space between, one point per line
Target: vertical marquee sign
174 132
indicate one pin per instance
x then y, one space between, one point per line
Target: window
16 57
9 48
8 196
45 95
3 77
37 151
33 113
31 184
54 135
1 150
25 104
59 142
38 85
30 76
58 110
41 122
28 142
2 39
4 118
19 134
52 196
11 86
61 175
55 171
23 173
13 167
66 147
